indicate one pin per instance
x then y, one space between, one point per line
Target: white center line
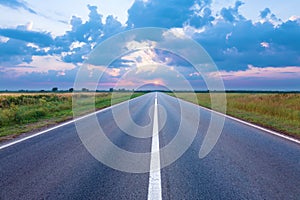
154 189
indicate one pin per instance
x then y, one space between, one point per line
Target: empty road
246 163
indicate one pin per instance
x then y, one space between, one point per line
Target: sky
254 44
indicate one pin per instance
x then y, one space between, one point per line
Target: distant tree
71 89
84 90
111 89
55 89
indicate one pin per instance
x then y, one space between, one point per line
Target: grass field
25 112
279 112
20 113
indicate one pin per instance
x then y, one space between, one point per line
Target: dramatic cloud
86 32
17 4
21 44
13 52
89 34
234 46
234 43
169 13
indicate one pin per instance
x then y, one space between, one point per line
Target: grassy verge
279 112
21 113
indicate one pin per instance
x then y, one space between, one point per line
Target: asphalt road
246 163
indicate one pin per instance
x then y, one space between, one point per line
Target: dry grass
24 112
280 112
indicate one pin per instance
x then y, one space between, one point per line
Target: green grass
20 113
279 112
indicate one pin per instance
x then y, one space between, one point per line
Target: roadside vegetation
25 112
279 111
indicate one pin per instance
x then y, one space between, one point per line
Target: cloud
76 55
42 39
17 4
235 45
155 74
169 13
202 19
267 16
43 64
171 59
295 18
233 42
88 34
141 58
38 78
257 78
112 26
265 13
89 31
21 44
231 14
264 73
13 52
38 64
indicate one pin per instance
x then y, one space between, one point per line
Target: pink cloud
39 64
257 72
138 82
265 44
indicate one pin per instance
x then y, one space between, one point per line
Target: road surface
246 163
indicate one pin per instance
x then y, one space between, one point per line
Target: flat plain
277 111
27 112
